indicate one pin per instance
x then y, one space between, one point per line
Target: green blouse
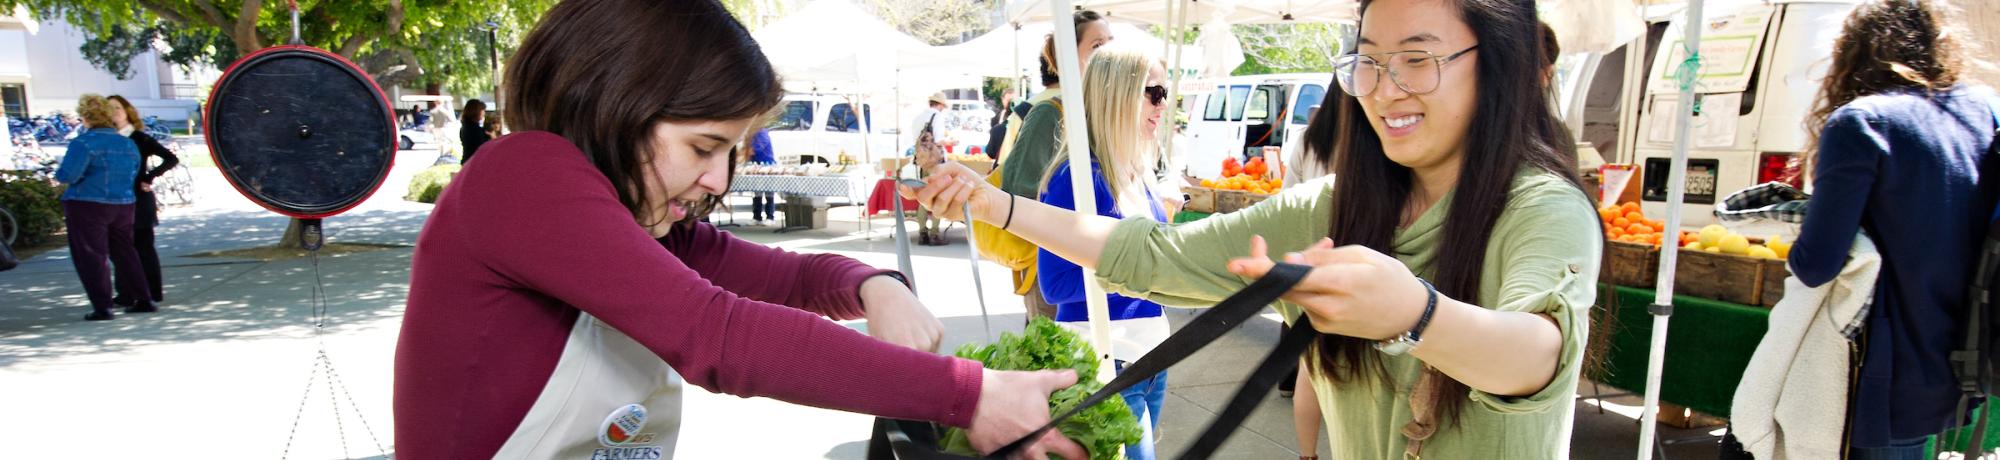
1543 258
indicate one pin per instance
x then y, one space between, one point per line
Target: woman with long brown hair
564 289
1900 154
1456 310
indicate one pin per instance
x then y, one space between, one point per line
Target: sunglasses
1156 94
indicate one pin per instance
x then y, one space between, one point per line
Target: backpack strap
1974 363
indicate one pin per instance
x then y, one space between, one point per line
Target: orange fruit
1634 216
1607 213
1620 222
1207 183
1657 225
1639 229
1615 232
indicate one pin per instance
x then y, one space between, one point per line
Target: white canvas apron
609 399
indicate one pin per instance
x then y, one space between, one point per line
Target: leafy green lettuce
1103 429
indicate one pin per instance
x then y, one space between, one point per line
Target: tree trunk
293 238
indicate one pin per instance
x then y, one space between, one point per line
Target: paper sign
1715 127
1666 115
1616 180
1729 48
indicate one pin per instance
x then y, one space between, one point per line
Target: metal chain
334 384
301 413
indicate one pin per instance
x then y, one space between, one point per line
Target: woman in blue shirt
1899 155
1124 96
101 169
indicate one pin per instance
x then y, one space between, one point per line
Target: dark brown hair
602 73
1082 18
1513 127
1885 45
475 110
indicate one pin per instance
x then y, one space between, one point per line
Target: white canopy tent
1023 43
1161 11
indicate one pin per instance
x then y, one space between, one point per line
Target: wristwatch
1408 340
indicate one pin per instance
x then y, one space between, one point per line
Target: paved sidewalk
221 372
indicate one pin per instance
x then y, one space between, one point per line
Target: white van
815 128
1230 115
1761 75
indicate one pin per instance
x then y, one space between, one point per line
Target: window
1309 95
14 100
841 118
1259 109
797 116
1237 96
1214 110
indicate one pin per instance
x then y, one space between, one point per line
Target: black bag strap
906 440
1974 361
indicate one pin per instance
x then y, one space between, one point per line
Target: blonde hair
131 113
95 110
1114 97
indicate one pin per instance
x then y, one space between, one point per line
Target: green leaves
1103 429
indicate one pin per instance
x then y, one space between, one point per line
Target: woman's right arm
1184 265
586 250
73 166
1305 411
1843 177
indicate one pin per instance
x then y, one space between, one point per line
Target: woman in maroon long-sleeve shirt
560 293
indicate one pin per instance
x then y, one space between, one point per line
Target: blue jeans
1145 400
763 204
1898 449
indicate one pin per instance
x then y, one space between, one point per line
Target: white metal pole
1176 28
1077 138
1663 298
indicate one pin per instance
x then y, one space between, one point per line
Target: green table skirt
1709 343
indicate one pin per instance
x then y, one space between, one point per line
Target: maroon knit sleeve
557 228
826 284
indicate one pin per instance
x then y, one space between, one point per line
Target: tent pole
1176 30
1077 138
1663 307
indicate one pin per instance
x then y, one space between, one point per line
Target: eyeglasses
1156 94
1414 71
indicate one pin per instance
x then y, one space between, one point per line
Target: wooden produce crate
1774 282
1257 198
1730 278
1200 199
1227 201
1630 265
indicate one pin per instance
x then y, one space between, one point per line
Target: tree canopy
399 42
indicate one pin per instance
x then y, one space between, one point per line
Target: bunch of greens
1103 429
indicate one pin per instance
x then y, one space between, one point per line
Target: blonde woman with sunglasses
1124 96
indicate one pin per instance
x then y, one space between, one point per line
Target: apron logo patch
629 453
621 429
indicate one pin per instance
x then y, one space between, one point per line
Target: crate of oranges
1242 184
1631 247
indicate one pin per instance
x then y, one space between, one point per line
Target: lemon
1762 252
1735 244
1711 235
1712 249
1782 248
1692 246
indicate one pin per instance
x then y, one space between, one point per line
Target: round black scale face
301 131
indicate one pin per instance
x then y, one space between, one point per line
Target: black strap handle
907 440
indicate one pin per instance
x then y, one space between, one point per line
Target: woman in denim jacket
100 170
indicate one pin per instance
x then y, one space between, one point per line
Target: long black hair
1514 127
